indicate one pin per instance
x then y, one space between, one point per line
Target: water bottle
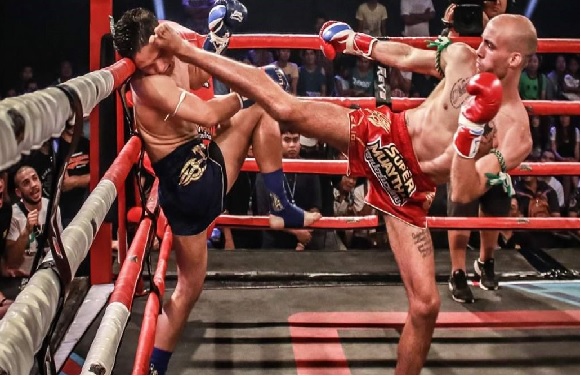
32 244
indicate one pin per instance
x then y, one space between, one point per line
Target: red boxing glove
487 97
336 37
476 111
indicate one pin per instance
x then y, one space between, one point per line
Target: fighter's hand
31 220
476 112
165 37
487 97
224 17
337 37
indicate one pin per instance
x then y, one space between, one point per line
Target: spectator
260 57
549 156
416 16
400 82
564 142
5 217
75 188
65 72
302 189
197 12
41 161
556 78
493 8
536 198
26 76
5 214
349 201
362 78
539 133
30 87
573 210
372 18
343 80
26 225
533 84
290 69
506 238
4 305
571 79
564 139
490 9
311 82
12 92
241 200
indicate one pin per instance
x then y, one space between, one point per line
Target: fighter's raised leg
324 121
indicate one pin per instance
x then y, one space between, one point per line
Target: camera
468 17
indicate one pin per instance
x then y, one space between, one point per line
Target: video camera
468 17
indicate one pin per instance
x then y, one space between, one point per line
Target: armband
180 101
441 43
502 179
500 158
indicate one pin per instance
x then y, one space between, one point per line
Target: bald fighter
194 176
404 155
494 203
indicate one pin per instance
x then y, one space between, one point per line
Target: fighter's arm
339 37
471 178
162 93
418 60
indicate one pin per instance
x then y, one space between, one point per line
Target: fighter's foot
292 217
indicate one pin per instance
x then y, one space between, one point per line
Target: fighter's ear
516 60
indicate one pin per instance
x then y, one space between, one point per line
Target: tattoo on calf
423 242
458 93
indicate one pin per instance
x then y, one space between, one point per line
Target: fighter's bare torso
433 124
161 136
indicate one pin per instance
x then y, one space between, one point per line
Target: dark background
44 32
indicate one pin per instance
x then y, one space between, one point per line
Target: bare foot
277 222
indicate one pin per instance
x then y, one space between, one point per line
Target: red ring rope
371 221
339 167
301 41
535 107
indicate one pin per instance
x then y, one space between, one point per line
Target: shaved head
520 32
508 42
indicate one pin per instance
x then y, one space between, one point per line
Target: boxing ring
44 113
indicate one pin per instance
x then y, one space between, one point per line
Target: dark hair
132 31
286 128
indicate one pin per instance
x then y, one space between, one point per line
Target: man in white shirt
28 218
372 18
416 15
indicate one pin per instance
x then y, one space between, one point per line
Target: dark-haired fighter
194 176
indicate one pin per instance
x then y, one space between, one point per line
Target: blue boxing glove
277 76
224 17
